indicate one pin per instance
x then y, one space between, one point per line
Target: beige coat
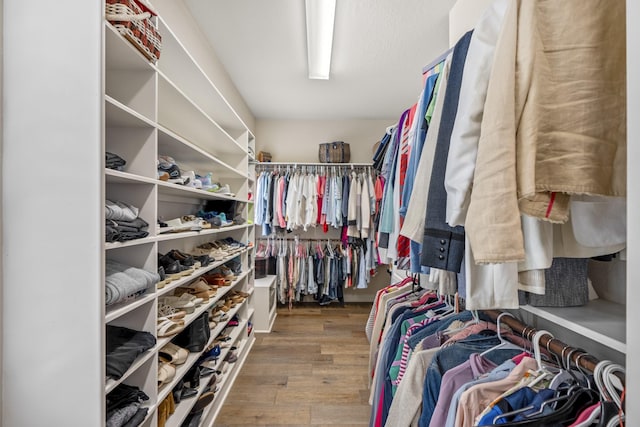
554 120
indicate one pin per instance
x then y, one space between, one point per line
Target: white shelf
181 370
169 188
118 177
178 64
599 320
177 112
265 311
212 411
129 243
141 360
212 301
205 232
120 309
119 115
264 282
120 54
171 108
198 159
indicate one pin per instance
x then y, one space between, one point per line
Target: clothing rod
553 345
311 164
292 239
436 61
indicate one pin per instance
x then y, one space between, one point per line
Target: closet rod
553 345
292 239
260 164
436 61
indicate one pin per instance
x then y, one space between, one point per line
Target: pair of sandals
170 320
199 289
218 280
216 250
184 302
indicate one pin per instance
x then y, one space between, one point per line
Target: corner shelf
599 321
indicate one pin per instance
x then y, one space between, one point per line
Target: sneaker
226 190
168 165
205 180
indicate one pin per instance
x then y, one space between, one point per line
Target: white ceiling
379 49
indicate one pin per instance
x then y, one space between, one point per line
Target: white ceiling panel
380 47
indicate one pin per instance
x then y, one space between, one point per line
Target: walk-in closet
319 213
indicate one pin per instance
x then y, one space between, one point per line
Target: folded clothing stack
123 223
123 347
113 161
123 406
124 282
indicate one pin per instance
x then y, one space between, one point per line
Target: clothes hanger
564 375
504 344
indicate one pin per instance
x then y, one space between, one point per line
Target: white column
633 210
52 307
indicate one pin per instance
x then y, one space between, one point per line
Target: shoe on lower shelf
173 353
166 372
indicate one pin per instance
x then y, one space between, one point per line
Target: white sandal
168 327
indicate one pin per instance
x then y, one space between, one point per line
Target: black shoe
177 391
170 265
184 259
188 392
325 300
205 260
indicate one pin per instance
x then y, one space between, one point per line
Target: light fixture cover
320 20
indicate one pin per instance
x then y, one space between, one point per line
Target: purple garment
455 378
434 340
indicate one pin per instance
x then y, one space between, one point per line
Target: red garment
403 243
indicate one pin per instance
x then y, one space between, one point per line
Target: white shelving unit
265 306
172 108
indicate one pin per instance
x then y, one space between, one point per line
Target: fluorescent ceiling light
320 18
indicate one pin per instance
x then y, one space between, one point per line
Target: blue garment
519 399
418 141
542 396
266 225
421 136
388 209
450 357
381 152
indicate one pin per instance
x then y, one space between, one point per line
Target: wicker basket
136 25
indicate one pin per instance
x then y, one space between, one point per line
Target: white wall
297 140
633 209
1 126
463 17
179 19
53 301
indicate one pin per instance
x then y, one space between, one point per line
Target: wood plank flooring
311 370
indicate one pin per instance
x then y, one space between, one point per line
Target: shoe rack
172 108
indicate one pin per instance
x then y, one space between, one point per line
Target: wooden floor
311 370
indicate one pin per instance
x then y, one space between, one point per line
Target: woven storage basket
135 25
